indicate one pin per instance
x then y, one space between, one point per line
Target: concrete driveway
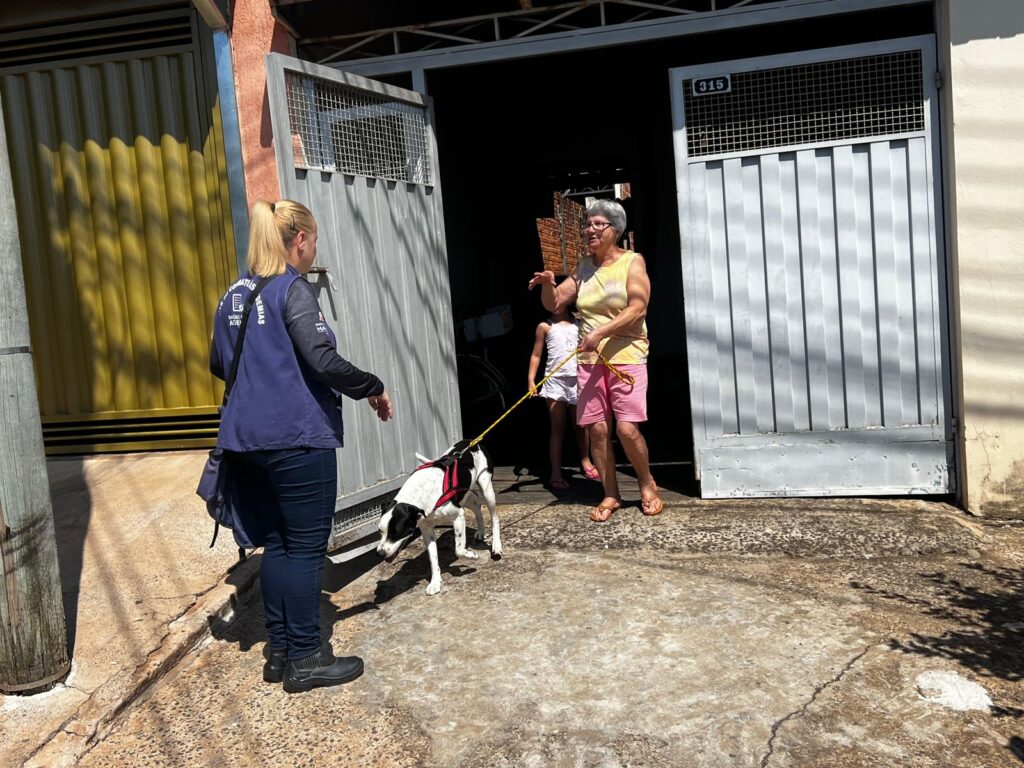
761 633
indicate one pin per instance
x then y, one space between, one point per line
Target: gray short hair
612 211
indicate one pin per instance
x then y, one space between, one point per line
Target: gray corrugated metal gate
362 156
813 276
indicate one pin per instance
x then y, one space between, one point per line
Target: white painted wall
982 56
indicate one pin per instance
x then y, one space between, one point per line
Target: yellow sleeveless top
602 295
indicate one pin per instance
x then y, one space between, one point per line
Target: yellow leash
621 375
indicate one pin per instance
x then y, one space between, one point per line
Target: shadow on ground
984 605
72 509
410 574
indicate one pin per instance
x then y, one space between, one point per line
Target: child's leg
582 441
556 411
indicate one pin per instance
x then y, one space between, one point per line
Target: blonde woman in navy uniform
281 427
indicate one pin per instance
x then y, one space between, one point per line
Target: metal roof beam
457 30
552 20
443 36
734 17
578 5
654 7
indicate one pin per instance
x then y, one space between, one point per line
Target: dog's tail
422 459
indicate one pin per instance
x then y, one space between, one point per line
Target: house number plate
705 86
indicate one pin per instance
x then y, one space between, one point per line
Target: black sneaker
321 670
273 670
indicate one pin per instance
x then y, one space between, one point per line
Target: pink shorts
601 394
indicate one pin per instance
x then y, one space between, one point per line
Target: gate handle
324 271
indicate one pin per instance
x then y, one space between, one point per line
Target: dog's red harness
457 476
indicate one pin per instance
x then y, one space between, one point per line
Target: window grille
335 127
807 104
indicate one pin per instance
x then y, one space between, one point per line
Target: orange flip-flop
652 507
602 512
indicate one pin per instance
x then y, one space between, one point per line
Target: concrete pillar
33 633
981 49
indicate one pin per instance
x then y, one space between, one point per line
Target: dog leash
621 375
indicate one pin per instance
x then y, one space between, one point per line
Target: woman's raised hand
547 277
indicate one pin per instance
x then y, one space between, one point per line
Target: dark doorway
512 133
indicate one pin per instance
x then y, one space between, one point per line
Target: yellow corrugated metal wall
121 191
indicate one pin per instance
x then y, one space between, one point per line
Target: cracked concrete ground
132 544
757 633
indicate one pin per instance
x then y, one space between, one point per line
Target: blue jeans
294 491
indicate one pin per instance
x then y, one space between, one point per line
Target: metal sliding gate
117 160
813 272
362 156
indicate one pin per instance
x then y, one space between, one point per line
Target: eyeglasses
599 226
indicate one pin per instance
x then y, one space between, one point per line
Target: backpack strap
242 555
229 382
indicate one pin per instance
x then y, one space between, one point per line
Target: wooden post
33 635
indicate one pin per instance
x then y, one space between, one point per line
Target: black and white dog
436 493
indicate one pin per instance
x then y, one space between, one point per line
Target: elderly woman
611 290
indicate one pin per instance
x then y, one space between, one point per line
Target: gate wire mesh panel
336 127
806 104
346 523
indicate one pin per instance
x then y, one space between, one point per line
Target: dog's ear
404 518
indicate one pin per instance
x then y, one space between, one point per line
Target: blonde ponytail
272 228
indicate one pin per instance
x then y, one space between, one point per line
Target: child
560 336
